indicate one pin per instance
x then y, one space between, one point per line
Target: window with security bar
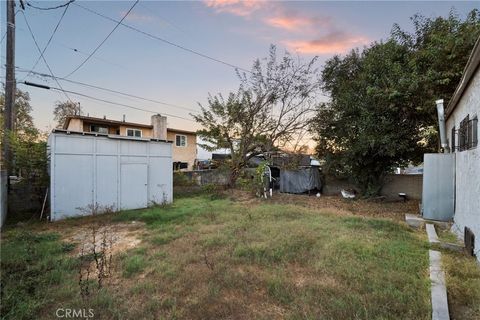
467 134
453 140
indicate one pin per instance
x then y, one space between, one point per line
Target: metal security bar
467 134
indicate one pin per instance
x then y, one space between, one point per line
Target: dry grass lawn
230 257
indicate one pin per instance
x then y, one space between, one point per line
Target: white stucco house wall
462 115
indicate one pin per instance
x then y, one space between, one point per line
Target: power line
93 57
3 37
50 39
50 8
43 57
74 50
5 34
124 105
104 40
163 40
102 100
111 90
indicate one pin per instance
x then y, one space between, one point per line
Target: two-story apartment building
184 141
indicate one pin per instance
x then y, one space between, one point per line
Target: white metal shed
88 169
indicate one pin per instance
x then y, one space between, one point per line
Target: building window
453 139
474 132
99 129
134 133
180 140
468 133
463 134
178 165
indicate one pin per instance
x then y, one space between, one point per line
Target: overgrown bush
180 179
254 182
245 183
213 190
29 159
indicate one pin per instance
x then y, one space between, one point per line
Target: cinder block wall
203 177
411 184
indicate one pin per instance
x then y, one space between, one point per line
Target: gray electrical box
438 194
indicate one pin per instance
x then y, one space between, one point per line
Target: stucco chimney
159 124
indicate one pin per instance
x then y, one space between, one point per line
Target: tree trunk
234 174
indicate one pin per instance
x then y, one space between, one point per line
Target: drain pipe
441 126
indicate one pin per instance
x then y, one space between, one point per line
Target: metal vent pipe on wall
441 126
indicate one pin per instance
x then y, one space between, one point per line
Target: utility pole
9 114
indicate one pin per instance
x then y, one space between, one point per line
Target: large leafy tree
369 125
382 111
23 121
63 109
439 49
28 144
270 108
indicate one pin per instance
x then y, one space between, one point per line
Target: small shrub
245 183
254 182
180 179
213 190
210 188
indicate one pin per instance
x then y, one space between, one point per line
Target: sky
235 32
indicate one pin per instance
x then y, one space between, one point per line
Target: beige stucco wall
184 154
75 125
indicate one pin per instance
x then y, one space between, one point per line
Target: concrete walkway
431 233
437 278
439 290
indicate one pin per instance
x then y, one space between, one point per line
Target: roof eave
468 73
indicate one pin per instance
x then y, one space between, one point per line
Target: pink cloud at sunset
334 42
237 7
297 23
325 35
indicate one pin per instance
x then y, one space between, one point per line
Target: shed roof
106 135
105 121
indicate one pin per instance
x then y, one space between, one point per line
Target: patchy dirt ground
120 236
